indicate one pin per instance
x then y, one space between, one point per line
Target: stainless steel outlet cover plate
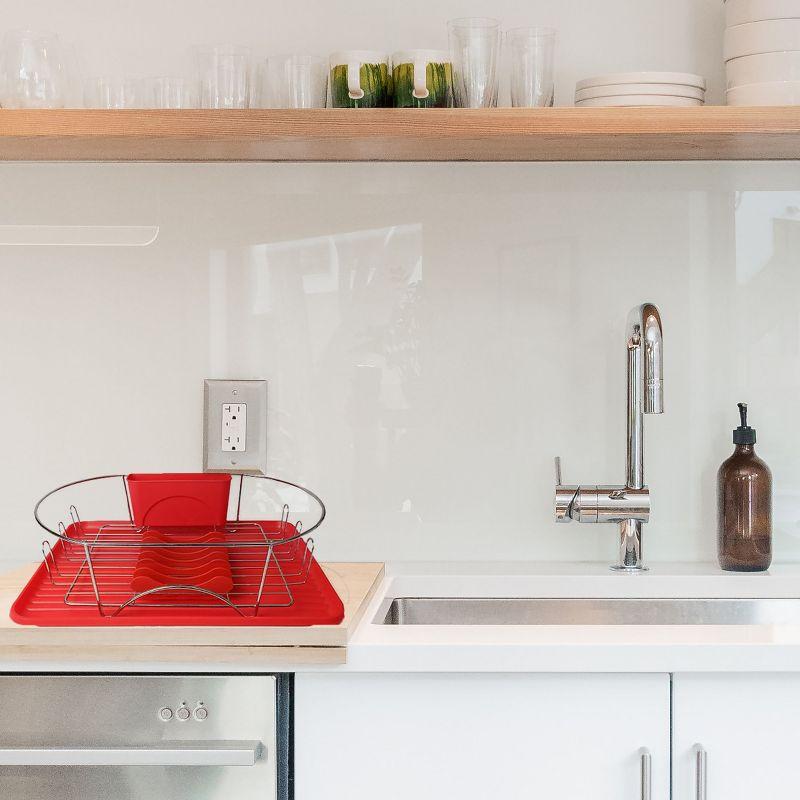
252 458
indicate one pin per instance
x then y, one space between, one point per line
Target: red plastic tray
315 601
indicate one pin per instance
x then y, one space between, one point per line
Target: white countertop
572 648
549 648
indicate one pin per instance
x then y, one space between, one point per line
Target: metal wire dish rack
250 562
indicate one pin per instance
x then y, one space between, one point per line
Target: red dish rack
186 551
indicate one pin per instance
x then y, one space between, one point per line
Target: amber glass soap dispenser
744 505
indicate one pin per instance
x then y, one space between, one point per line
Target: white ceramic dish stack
677 89
762 52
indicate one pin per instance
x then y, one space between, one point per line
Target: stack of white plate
762 52
641 89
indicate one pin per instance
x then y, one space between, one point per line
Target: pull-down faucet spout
645 383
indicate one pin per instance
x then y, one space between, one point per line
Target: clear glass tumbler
114 92
475 50
531 56
295 81
34 72
170 92
224 76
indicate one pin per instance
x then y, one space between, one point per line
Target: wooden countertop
264 647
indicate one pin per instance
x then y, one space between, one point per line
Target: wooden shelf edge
503 134
265 658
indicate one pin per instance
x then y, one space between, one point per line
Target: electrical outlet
235 426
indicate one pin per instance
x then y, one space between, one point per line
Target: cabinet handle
647 774
700 772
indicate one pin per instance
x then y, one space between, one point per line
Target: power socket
235 426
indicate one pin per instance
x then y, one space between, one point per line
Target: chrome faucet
627 505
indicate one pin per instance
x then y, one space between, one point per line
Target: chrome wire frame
95 567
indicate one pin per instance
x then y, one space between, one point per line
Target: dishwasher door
140 737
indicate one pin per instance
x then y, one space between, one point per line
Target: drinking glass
224 76
531 55
475 50
113 92
34 74
295 81
170 92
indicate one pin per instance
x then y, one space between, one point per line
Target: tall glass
475 50
295 81
531 55
224 76
34 72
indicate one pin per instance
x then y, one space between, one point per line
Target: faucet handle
565 495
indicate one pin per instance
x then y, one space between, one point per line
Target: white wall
432 334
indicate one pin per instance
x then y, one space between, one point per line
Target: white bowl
617 78
777 93
739 12
639 100
673 89
763 68
770 36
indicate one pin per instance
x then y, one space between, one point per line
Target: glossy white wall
433 335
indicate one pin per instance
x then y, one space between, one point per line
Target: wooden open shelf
502 134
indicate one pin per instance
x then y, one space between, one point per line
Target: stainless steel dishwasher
145 737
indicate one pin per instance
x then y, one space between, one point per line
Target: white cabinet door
479 736
748 726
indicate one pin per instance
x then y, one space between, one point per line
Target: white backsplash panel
432 336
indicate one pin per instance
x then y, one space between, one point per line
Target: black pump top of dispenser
744 434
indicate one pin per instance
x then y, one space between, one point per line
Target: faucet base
630 546
623 568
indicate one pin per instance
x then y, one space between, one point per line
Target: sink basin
586 611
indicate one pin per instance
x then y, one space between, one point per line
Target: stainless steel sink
586 611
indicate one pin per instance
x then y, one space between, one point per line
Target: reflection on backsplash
77 235
337 310
757 215
432 336
767 294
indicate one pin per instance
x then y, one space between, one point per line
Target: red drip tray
70 600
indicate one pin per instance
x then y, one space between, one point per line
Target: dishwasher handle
166 754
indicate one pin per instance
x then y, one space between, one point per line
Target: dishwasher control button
183 713
165 714
201 713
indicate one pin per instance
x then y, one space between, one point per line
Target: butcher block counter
255 647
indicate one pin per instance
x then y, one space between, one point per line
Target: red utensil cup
179 498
